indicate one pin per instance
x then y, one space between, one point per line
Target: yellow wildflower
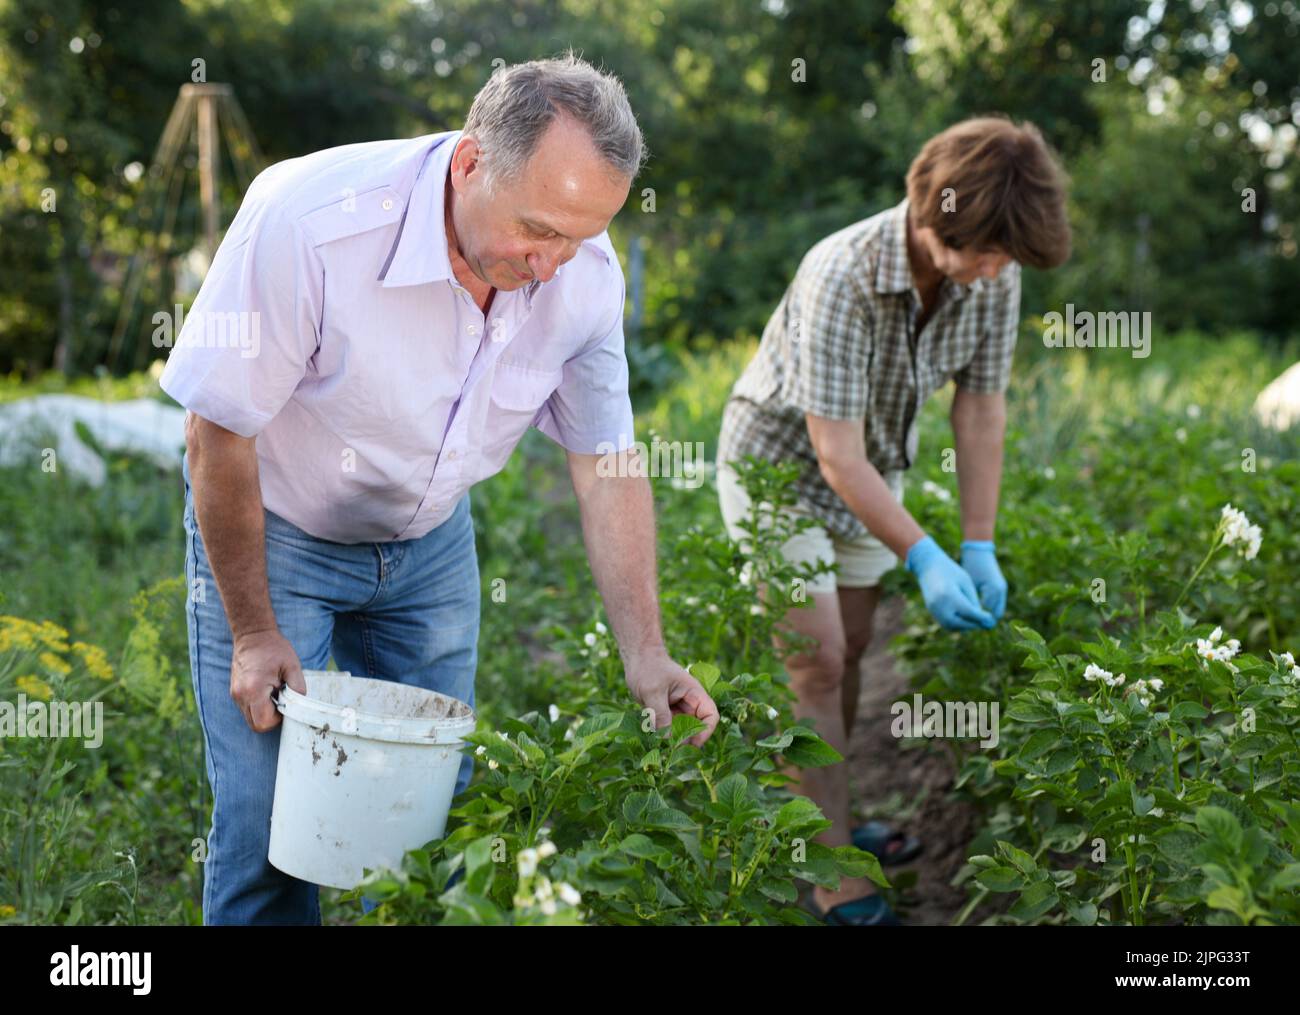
96 660
6 911
17 634
54 664
54 636
35 687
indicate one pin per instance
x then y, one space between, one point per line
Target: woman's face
962 266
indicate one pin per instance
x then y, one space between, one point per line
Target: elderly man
879 316
413 307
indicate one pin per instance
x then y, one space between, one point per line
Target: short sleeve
591 411
245 343
989 370
829 337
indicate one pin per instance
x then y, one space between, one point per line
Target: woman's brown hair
988 184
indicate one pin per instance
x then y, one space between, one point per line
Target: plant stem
1196 574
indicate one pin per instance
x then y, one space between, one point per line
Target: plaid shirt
842 344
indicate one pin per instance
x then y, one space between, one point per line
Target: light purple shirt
331 326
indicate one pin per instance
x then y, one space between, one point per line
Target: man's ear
466 160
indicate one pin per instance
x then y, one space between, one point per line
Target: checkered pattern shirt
842 344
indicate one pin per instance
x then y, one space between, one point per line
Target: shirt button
388 204
451 454
472 329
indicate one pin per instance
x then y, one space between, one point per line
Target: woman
879 316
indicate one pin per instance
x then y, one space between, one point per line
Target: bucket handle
348 715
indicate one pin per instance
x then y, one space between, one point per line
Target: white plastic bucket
366 772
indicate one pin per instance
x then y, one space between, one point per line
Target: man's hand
979 560
949 592
262 661
666 689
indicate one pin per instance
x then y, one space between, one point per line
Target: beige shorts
862 561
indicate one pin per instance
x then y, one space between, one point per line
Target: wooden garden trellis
202 116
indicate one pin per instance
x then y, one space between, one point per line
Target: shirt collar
419 255
894 271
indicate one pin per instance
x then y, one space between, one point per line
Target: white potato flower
568 893
935 490
1095 672
1239 532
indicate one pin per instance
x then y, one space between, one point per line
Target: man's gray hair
516 106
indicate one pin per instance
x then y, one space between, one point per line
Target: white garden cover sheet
1278 405
147 427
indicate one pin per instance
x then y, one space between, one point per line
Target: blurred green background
769 124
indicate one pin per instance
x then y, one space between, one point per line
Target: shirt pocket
516 396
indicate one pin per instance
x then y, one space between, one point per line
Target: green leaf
1018 858
1178 845
600 723
1061 761
797 811
479 868
1287 877
809 750
683 727
1220 826
733 791
706 673
1000 879
1040 743
1030 710
1037 899
1185 710
777 741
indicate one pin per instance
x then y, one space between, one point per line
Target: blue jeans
401 610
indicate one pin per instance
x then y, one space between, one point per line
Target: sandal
868 911
886 843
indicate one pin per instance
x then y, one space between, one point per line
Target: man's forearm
618 528
979 428
228 509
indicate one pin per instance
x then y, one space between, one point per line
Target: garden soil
910 788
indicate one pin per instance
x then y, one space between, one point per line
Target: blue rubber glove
981 563
948 591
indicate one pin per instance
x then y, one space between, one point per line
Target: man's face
962 266
566 193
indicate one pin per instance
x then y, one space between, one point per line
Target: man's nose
543 266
